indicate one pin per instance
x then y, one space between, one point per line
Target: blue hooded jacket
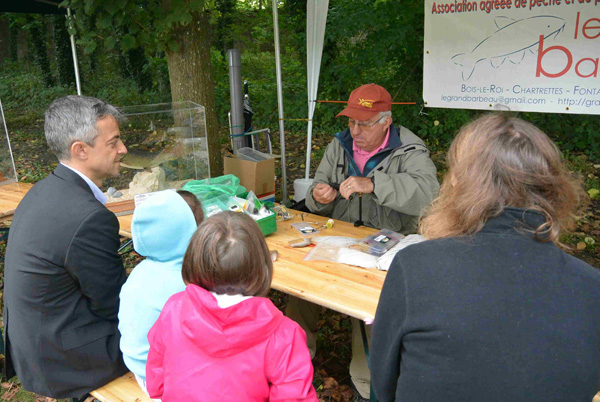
161 228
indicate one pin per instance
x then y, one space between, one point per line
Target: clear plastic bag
252 204
337 249
254 208
215 187
378 243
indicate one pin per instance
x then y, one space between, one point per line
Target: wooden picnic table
347 289
10 196
344 288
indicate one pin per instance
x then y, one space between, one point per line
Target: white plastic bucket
300 188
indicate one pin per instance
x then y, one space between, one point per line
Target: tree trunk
137 60
4 40
62 52
22 44
190 73
40 52
13 33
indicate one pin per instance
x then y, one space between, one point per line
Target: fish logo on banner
512 39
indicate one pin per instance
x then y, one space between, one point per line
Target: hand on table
355 184
324 193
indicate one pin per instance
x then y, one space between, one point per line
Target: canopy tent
316 18
279 99
43 7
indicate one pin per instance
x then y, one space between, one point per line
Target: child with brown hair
194 204
222 339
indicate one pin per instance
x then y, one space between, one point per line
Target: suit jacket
62 280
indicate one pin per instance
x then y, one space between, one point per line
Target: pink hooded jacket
246 352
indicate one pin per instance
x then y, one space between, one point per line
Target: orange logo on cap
366 102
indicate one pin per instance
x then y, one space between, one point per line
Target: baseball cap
366 101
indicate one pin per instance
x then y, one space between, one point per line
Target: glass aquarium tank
166 147
8 173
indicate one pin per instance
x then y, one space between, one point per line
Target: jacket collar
345 139
513 219
70 176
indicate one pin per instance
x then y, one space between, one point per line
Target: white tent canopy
316 18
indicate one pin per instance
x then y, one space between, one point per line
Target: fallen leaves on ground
332 391
11 390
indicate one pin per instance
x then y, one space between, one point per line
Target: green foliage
38 40
12 44
365 41
62 49
22 89
224 20
149 25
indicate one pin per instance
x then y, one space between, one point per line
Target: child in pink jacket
219 340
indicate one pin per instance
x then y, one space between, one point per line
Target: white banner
520 55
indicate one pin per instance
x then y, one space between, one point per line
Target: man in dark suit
63 273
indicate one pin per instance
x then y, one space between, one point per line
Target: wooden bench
126 389
122 389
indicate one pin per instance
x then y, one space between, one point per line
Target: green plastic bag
215 187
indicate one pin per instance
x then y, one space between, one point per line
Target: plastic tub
251 154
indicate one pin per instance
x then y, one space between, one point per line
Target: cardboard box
256 176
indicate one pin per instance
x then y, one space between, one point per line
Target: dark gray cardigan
499 316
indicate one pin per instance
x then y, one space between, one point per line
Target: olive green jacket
404 176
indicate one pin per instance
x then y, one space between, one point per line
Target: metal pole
12 159
74 51
280 100
237 98
308 147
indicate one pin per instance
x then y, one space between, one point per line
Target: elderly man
388 165
375 174
63 273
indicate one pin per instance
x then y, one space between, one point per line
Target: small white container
301 186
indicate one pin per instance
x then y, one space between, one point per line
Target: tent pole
280 101
74 51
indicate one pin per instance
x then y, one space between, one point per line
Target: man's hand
354 184
324 193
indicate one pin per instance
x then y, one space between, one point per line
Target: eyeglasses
352 123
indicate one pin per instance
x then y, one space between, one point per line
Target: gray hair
73 118
384 114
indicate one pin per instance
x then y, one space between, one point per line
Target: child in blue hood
161 228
